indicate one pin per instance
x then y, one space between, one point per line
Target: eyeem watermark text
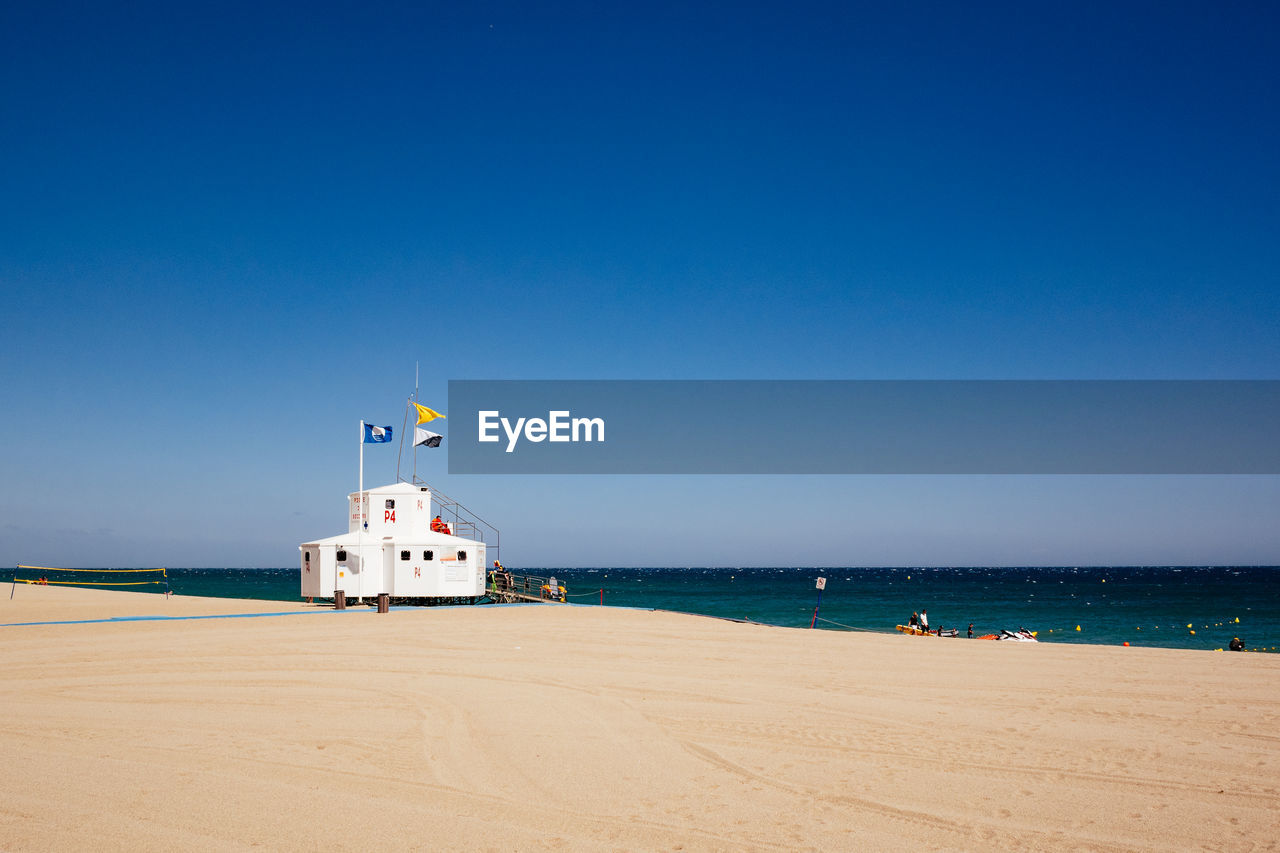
558 426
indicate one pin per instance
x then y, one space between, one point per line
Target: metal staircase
462 521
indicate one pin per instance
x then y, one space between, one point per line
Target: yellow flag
425 414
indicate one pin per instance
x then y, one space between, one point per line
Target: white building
396 553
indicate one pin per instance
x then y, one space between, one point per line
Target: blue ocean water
1190 607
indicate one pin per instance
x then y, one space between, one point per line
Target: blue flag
376 434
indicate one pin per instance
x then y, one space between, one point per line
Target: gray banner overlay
864 427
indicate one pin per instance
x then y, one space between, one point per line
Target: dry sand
514 728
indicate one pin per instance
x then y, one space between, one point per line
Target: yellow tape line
81 583
52 569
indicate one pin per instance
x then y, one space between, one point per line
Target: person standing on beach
970 630
924 621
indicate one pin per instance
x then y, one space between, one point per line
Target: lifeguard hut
390 548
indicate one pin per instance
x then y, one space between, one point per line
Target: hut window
427 555
404 555
306 555
342 556
391 504
462 555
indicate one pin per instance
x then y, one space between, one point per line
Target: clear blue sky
228 231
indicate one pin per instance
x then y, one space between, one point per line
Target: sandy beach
513 728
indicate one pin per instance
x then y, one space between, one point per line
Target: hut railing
523 585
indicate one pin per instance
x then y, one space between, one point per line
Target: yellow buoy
1077 627
1193 632
1188 624
1237 620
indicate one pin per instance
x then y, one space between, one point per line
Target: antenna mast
415 443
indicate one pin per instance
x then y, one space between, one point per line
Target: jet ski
1022 635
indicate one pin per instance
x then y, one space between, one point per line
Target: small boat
1022 635
917 631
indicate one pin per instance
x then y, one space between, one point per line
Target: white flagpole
360 511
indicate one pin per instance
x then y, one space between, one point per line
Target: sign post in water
822 584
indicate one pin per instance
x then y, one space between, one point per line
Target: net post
822 583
